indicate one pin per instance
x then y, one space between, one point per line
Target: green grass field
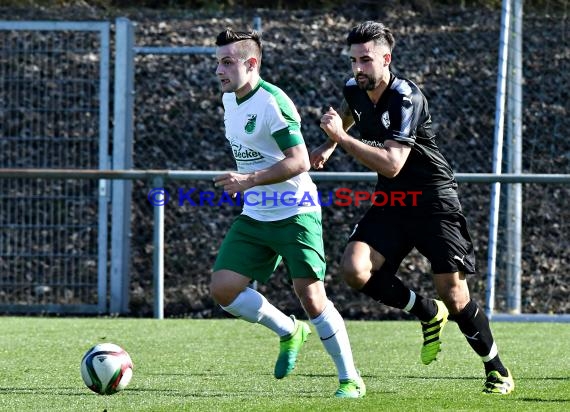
227 365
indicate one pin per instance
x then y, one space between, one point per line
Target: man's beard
369 84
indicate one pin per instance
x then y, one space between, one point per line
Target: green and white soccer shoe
289 347
351 388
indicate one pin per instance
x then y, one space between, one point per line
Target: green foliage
227 365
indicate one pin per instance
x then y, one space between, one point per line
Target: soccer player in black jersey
396 141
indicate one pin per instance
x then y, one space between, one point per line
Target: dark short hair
229 36
368 31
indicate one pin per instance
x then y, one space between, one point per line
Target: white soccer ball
106 368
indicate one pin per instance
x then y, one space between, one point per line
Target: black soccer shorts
437 229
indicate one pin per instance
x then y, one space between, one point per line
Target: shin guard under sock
474 325
385 287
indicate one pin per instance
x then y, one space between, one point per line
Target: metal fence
54 83
454 60
165 75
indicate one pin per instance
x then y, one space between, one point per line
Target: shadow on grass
210 374
164 392
229 394
443 378
188 374
45 391
553 378
545 400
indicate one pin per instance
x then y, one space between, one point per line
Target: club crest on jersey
250 125
386 119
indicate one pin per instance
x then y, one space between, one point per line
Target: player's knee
354 275
455 303
216 292
455 294
313 300
313 305
220 292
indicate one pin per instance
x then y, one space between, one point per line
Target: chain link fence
451 54
51 112
52 84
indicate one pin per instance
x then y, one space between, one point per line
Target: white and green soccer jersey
259 127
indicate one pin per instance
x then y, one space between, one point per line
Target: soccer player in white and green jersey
281 218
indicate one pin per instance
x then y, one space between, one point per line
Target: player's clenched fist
331 123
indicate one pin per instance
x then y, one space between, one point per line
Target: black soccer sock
474 325
495 364
424 308
385 287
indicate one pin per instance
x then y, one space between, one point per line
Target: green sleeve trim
291 135
288 137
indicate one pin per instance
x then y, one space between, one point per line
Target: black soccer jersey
402 115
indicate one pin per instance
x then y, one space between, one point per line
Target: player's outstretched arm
321 154
296 161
